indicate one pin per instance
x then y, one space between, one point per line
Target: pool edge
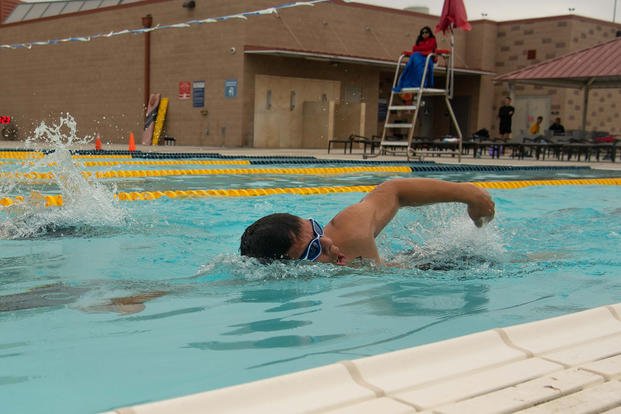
541 366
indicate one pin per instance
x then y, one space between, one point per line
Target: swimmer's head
270 237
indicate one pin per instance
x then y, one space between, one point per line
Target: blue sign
198 94
230 88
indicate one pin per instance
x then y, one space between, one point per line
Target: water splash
229 267
442 237
60 136
89 207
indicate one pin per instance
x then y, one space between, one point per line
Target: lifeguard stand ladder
395 109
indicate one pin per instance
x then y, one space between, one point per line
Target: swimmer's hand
481 207
480 222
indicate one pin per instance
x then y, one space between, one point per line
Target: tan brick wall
101 82
482 51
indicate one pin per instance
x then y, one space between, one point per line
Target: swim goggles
313 250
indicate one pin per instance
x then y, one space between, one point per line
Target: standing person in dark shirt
557 128
505 113
412 75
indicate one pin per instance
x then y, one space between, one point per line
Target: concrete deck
337 154
568 364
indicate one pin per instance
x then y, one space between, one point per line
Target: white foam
87 204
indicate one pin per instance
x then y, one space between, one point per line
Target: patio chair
347 143
373 142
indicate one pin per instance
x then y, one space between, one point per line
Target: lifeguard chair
388 144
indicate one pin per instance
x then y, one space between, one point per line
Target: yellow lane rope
56 200
161 162
20 154
31 176
216 171
101 156
166 162
49 200
253 171
508 185
244 192
37 154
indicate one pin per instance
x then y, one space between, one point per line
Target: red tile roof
599 64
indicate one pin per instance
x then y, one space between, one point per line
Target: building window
531 54
292 100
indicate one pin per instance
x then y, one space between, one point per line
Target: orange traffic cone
98 143
132 143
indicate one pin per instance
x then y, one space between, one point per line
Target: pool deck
337 154
568 364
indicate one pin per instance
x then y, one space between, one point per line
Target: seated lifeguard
412 74
351 233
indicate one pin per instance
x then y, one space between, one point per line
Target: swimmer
351 234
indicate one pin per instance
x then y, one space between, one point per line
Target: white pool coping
567 364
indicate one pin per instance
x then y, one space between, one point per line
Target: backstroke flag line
189 23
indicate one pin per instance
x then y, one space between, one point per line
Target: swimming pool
212 319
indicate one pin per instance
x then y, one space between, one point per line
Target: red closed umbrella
453 15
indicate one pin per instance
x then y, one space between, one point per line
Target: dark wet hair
270 237
420 35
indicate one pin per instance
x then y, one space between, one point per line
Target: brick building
293 78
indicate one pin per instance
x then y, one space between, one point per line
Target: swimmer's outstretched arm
355 228
390 196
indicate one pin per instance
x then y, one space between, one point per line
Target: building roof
598 66
342 58
30 11
6 8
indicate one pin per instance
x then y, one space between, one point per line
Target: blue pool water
212 319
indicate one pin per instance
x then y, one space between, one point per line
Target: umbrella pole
452 64
451 75
585 105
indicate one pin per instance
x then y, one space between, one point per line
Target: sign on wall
198 94
230 88
184 90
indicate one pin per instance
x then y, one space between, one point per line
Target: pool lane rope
38 155
21 155
165 162
57 200
160 162
216 171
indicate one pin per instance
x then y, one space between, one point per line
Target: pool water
106 304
